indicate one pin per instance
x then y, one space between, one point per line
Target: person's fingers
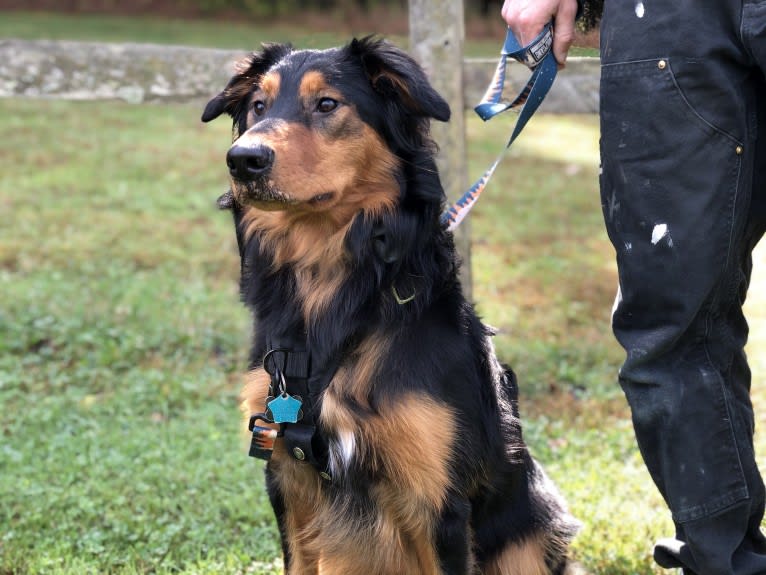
525 19
564 30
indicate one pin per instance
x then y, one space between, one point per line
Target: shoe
674 554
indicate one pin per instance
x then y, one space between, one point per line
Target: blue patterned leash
538 56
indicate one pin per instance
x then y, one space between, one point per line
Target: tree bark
437 33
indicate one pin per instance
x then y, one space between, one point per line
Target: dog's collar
388 253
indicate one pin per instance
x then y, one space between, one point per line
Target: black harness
294 385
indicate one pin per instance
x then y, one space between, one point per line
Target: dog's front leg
292 514
453 545
278 506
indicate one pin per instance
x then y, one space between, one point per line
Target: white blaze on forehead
640 9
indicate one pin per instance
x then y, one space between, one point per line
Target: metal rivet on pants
739 150
662 64
298 453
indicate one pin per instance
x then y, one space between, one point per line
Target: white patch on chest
640 9
347 446
342 452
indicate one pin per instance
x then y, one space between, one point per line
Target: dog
390 428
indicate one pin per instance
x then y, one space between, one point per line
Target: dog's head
320 129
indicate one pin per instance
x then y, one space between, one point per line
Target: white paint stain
640 9
617 300
659 232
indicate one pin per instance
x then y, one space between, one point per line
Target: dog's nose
247 162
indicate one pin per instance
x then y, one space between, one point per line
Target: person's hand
526 19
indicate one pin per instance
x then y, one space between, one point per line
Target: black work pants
683 185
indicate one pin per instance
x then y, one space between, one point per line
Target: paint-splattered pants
683 185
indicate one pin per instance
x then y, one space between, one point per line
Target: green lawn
122 342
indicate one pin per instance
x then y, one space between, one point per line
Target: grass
122 341
117 382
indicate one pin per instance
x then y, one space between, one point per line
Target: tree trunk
437 32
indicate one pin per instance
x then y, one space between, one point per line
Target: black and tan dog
391 430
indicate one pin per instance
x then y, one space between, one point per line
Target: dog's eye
259 107
326 105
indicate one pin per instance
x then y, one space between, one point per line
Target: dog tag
285 408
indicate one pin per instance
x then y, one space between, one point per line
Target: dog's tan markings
407 444
524 558
414 437
312 84
410 440
315 248
304 502
278 131
408 497
413 524
324 172
401 86
338 176
298 483
269 85
381 554
411 443
355 379
358 178
254 394
352 545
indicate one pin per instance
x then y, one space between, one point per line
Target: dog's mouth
264 194
261 193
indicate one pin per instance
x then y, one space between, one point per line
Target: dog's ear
248 73
393 73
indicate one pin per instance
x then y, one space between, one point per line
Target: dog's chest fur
388 466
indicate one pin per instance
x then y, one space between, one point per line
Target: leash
538 56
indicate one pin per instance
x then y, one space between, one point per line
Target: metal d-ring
269 356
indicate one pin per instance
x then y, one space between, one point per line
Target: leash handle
538 56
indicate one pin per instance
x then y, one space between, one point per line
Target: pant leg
679 112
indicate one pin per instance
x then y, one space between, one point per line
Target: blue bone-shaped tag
285 408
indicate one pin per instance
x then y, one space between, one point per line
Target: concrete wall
149 73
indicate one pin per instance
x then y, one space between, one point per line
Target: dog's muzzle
247 163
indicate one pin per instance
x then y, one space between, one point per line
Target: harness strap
301 438
538 56
291 362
